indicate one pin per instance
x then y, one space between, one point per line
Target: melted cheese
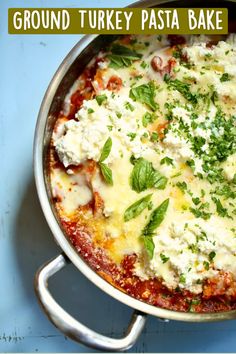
70 189
197 237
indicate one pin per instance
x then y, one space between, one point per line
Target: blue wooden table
27 65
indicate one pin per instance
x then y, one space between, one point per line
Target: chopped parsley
212 256
106 150
144 65
131 136
183 88
196 200
194 247
154 137
167 161
201 211
164 258
226 77
221 211
148 118
225 191
100 99
182 278
182 186
129 106
206 265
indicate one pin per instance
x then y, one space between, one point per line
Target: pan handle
73 328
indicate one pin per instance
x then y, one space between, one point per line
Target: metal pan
63 79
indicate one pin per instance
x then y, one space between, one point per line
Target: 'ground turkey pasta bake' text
142 165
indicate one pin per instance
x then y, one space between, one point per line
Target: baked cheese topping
161 128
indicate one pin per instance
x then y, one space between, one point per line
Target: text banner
117 21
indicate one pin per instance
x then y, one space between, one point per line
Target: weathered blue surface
27 65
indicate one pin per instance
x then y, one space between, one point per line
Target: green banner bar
117 21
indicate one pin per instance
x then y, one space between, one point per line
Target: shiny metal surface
62 80
71 327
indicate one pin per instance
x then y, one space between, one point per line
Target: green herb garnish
106 150
106 173
100 99
167 160
148 118
105 170
226 77
196 200
145 94
219 208
182 278
212 256
154 137
156 218
164 258
136 208
131 136
206 265
182 186
149 245
183 88
122 56
201 211
144 176
143 65
129 106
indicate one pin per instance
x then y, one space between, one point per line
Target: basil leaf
145 94
106 173
122 56
100 99
136 208
149 245
156 218
106 150
126 52
140 175
144 176
117 62
159 181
